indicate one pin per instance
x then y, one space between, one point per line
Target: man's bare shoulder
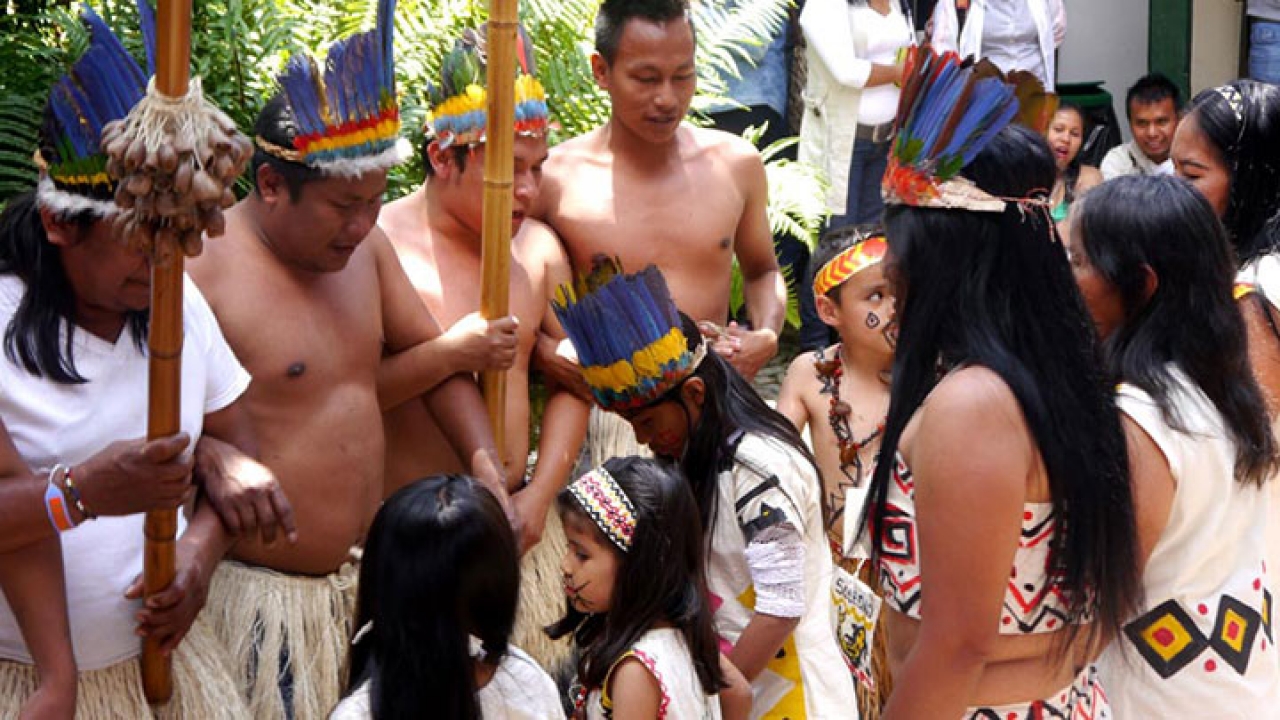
724 145
585 148
400 219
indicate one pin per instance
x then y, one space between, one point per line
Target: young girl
637 597
438 590
1066 139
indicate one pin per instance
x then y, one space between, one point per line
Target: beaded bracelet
55 504
75 494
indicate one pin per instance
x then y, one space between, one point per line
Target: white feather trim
48 196
355 167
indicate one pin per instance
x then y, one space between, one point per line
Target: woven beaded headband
851 261
602 498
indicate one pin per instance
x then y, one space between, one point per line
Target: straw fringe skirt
609 436
287 637
202 686
542 599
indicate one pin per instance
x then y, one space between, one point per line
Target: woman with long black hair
1158 284
1228 148
1000 515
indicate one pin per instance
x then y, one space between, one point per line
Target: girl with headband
637 598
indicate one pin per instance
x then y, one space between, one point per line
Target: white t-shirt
1201 645
519 690
52 423
772 493
886 35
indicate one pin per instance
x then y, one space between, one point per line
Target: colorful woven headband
459 114
103 85
948 112
627 333
602 498
346 114
851 261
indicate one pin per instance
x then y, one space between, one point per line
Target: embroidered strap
652 666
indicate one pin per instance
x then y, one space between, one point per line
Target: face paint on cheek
873 320
890 333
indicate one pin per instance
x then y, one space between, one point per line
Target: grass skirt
202 686
287 636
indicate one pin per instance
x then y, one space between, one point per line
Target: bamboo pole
495 255
173 72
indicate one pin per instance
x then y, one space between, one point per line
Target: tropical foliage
239 45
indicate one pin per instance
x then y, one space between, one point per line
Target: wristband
55 504
75 493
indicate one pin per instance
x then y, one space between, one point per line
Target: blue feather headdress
347 115
627 333
459 105
948 111
102 86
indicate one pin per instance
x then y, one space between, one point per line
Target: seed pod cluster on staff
175 174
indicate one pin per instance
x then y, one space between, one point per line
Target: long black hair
1190 320
1247 137
730 408
995 290
440 566
39 336
660 579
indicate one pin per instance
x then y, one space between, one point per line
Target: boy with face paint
315 304
841 393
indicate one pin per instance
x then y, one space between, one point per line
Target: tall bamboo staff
176 157
495 254
164 412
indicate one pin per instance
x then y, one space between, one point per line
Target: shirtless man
313 301
650 189
436 231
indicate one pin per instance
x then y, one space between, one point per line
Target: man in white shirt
1153 105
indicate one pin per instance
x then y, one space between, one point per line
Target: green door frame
1169 41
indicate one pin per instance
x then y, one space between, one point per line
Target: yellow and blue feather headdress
627 333
347 116
459 112
103 85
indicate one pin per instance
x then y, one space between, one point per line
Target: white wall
1106 40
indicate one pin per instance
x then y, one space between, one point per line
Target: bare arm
422 356
634 691
791 395
1153 487
122 479
760 642
969 499
32 581
243 491
454 400
564 420
735 697
1264 347
764 290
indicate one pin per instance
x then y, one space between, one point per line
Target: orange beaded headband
848 263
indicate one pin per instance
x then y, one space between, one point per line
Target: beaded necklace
829 372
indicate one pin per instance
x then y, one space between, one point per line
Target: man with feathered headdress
314 302
437 233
